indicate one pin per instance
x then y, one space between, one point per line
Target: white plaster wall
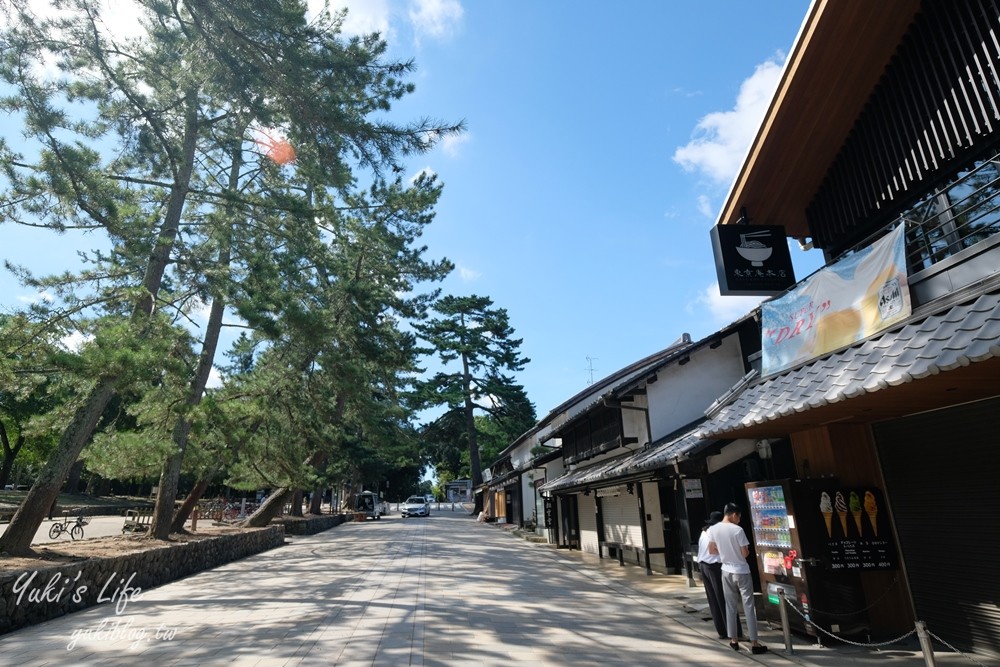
682 393
634 422
654 526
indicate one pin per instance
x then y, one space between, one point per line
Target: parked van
369 503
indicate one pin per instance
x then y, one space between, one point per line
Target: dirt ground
101 547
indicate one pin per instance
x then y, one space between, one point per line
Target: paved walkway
438 591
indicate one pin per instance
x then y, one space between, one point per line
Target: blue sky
602 138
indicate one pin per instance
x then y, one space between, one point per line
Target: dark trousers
711 577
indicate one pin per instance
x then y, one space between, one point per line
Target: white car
415 506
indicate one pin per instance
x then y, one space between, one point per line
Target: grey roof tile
608 472
964 334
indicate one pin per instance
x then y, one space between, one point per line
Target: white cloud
683 92
36 298
437 19
363 16
430 19
705 206
425 171
488 401
451 143
722 137
214 379
74 341
199 311
120 19
467 274
117 21
723 309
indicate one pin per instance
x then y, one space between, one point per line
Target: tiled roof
665 453
658 455
926 345
599 472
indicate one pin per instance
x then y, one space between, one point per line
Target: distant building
458 491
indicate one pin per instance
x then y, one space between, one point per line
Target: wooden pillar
642 526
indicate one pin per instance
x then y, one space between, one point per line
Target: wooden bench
137 520
614 549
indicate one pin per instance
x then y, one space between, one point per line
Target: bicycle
75 529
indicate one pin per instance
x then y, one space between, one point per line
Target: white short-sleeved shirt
703 554
729 538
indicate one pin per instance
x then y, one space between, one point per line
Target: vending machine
813 538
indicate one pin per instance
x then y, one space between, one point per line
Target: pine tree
165 115
479 337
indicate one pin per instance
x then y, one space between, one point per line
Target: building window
958 216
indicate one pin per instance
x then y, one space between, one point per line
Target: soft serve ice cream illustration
841 506
856 510
871 509
826 507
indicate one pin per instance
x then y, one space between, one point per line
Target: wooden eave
841 52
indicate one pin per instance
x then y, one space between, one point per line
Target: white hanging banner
842 304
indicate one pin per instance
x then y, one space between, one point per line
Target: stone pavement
438 591
672 596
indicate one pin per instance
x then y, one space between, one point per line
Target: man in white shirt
729 541
710 566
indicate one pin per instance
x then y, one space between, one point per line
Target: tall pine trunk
187 507
297 503
470 429
270 508
163 515
72 484
16 540
275 502
316 502
9 454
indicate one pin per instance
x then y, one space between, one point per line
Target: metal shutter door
941 471
588 523
621 520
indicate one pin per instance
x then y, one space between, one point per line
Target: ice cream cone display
841 506
851 545
871 509
855 503
826 507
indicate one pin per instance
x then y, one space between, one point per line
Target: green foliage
472 332
155 147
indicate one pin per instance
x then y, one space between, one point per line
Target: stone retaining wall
48 592
310 525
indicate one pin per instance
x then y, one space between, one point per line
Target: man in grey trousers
729 541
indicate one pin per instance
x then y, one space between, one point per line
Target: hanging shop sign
609 491
752 259
842 304
692 489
